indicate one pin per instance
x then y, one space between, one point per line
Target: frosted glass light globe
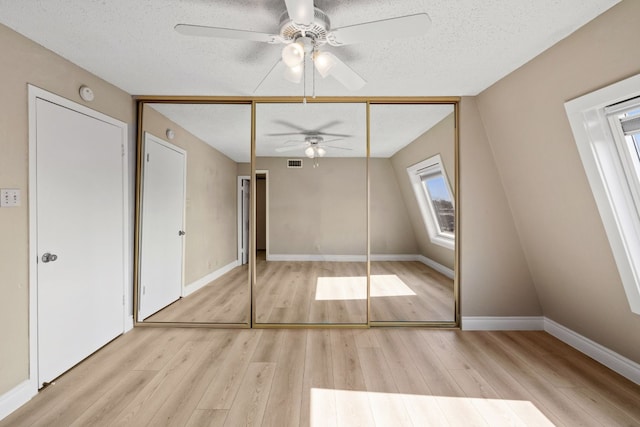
293 54
310 152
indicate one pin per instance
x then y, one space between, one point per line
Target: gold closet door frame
251 281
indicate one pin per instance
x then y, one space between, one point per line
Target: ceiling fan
316 147
305 29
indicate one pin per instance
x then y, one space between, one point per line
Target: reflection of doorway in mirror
244 198
261 213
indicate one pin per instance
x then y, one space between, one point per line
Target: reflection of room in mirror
402 246
316 213
215 283
311 213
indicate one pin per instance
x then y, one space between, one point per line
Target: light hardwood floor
335 292
287 377
224 300
320 292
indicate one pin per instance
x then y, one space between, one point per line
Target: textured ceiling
132 44
227 128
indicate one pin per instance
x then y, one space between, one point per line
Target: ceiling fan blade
341 135
224 33
345 75
290 148
328 125
332 140
392 28
339 148
300 11
284 134
290 125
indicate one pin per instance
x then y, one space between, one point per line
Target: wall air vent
294 163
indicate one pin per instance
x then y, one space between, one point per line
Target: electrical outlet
9 197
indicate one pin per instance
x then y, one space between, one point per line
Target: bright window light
434 198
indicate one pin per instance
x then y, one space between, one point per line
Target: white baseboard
303 257
394 257
436 266
204 281
128 323
363 258
16 397
609 358
487 323
612 360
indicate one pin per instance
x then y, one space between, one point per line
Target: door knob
49 257
181 233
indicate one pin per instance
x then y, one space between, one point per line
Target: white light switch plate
9 197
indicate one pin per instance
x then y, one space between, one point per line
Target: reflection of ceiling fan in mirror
314 146
305 29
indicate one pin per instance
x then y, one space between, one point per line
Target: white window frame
600 147
430 166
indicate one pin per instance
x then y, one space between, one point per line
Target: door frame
239 212
239 215
35 93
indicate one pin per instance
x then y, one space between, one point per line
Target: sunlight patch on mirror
355 288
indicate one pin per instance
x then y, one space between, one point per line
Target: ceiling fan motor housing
317 30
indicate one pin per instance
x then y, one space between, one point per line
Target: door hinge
122 147
122 299
147 157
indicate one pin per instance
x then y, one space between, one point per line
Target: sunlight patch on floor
355 288
330 407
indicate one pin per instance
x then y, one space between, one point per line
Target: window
606 127
624 120
433 195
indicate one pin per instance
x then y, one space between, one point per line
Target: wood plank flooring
224 300
320 292
335 292
322 377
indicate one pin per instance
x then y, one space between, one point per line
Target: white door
245 220
163 194
80 222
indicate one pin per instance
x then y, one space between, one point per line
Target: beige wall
494 275
316 211
26 62
391 230
553 207
211 210
440 139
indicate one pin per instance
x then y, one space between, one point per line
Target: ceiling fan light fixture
324 62
310 152
293 74
321 151
293 54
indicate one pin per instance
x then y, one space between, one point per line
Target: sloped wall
494 275
554 210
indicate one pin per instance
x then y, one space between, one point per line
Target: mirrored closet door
193 213
311 213
412 213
